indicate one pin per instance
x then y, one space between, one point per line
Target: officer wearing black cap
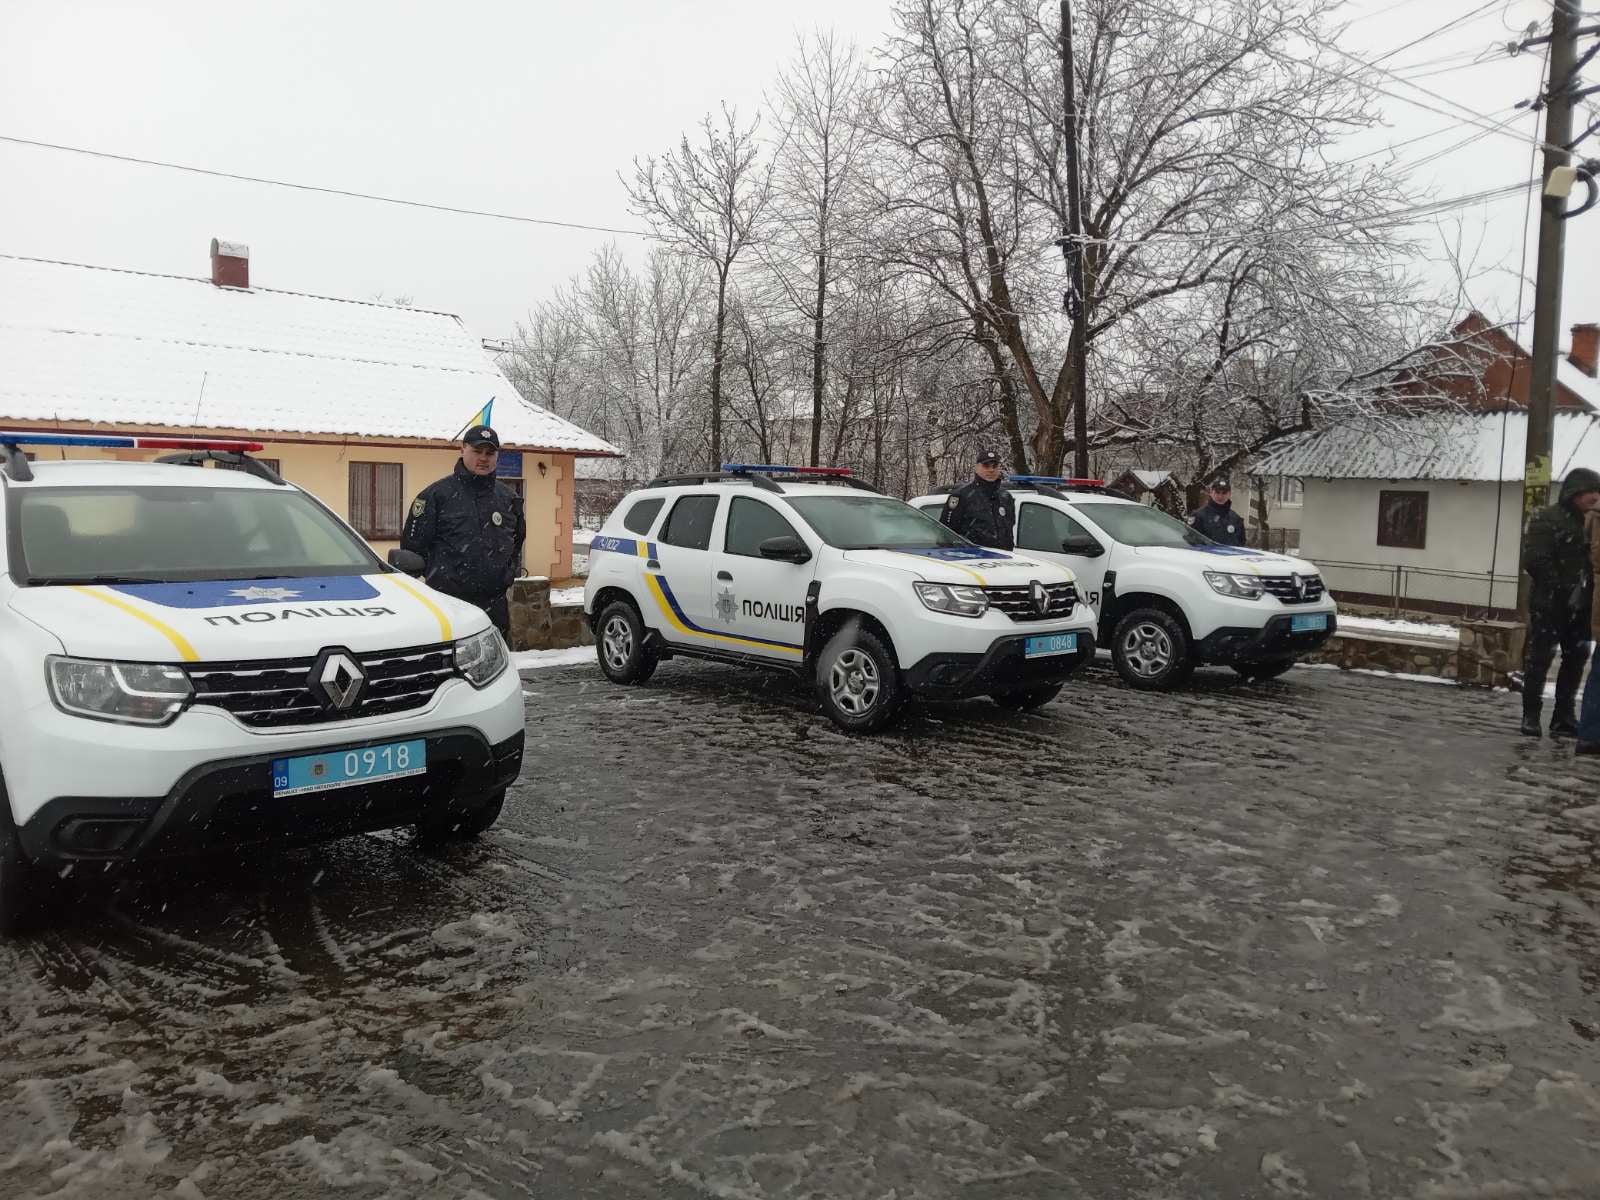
1216 518
468 528
982 510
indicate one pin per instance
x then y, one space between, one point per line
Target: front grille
264 693
1282 586
1017 602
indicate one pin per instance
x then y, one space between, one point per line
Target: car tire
453 826
858 682
1025 699
1151 650
1265 670
27 894
622 644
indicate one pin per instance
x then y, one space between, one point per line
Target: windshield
872 523
1140 525
177 534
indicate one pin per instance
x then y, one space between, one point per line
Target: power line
327 191
1443 29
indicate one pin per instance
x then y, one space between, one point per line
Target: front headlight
481 657
956 600
1240 587
129 693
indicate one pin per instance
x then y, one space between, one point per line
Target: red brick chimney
1585 347
230 264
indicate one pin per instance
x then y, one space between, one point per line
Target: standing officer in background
1216 518
981 509
468 528
1555 554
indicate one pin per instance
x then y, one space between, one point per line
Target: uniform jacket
1593 522
1219 523
1556 551
983 513
469 530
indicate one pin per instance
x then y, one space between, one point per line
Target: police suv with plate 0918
1168 598
857 593
209 659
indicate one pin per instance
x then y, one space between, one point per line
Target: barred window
377 505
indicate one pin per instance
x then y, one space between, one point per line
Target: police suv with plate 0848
209 659
857 593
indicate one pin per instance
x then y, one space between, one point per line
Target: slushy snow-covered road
1328 936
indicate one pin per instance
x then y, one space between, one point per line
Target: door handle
725 575
653 565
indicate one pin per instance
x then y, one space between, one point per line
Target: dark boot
1583 747
1530 723
1563 724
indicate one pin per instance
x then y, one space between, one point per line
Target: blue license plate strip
1047 644
1309 622
348 768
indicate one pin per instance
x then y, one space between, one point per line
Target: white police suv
207 659
823 576
1167 597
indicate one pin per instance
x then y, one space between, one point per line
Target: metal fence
1421 589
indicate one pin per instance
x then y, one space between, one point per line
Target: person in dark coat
1555 554
1216 518
1589 713
981 510
468 528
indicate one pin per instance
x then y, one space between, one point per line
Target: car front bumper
1274 640
1003 667
229 804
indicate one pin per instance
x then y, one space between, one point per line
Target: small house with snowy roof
359 403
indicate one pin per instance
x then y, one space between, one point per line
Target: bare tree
817 193
708 201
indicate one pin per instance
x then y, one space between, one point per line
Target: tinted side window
1040 527
642 515
750 523
689 523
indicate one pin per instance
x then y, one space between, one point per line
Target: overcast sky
529 108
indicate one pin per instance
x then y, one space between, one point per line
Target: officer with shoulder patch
981 510
1216 518
468 528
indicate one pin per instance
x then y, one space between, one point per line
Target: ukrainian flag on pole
481 417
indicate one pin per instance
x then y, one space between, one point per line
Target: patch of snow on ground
573 656
1380 674
567 596
1381 625
582 537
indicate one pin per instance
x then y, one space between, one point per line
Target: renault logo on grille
337 680
1041 598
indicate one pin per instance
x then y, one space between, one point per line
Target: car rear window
689 523
642 515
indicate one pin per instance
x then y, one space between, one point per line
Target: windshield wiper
87 580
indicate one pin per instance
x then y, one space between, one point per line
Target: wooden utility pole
1072 248
1547 287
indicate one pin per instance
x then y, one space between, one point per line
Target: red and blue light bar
119 441
1056 480
778 469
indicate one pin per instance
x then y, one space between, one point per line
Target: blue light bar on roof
122 441
1059 480
777 469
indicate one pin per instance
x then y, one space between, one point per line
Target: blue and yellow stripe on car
614 545
673 612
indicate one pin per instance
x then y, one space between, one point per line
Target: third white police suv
201 659
855 591
1169 598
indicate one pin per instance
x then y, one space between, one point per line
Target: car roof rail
1055 486
700 477
236 460
842 475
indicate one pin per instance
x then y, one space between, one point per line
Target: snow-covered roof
93 345
1449 446
1150 480
1583 386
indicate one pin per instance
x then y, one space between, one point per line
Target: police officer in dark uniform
1555 554
468 528
982 510
1216 518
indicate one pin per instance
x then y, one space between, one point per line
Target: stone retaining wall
536 624
1486 654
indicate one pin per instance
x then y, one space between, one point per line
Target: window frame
372 529
1056 512
727 525
666 525
1299 491
660 503
1387 523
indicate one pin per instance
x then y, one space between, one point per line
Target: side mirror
786 548
408 562
1084 547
